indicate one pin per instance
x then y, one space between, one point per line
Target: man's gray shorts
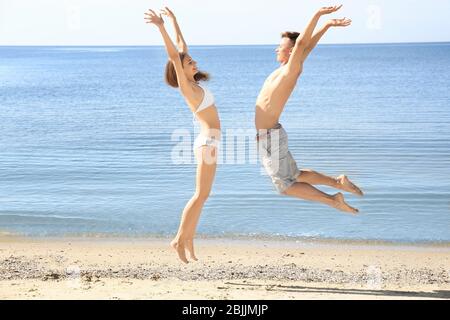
276 157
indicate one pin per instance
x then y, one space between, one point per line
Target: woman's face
189 66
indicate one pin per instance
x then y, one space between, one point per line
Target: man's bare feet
340 204
344 183
190 249
179 248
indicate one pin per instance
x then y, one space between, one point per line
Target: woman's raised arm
181 44
172 51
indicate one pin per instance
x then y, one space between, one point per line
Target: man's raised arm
304 39
318 35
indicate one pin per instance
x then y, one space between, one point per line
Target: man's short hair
291 35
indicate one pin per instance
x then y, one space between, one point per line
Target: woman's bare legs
206 170
341 182
306 191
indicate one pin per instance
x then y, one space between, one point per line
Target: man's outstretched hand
344 22
328 10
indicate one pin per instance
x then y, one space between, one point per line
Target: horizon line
215 45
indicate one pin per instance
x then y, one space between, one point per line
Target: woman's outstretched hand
328 10
168 13
344 22
152 17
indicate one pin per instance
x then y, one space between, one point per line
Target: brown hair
292 35
171 74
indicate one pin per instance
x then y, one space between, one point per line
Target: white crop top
208 100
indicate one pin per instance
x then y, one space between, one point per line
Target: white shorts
202 140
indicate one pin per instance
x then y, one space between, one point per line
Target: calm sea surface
86 142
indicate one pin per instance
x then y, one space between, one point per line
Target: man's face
284 50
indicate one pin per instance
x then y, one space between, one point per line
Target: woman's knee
202 195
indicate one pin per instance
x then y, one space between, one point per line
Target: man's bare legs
306 191
206 170
341 182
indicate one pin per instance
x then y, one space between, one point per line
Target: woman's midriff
209 122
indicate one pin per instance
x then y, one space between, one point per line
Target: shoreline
238 239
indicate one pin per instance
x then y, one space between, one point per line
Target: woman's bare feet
340 204
179 247
344 183
190 249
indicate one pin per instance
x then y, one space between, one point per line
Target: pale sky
212 22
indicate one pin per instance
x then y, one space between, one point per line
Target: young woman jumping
182 72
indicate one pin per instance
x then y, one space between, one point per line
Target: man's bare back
273 97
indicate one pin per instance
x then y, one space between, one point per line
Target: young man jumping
272 138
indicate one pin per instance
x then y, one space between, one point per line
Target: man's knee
305 174
287 191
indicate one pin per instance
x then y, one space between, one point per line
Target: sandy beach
129 268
